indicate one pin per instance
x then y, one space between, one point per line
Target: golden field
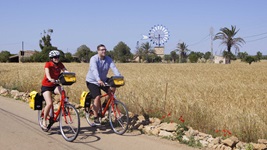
209 96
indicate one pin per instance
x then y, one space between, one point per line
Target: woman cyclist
52 69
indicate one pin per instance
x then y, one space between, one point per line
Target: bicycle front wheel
118 117
69 123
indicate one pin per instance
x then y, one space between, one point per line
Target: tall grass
209 96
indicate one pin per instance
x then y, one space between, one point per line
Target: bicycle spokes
118 117
69 122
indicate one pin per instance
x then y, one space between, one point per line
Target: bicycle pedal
51 121
49 126
100 115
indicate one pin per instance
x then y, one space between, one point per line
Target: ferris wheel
158 35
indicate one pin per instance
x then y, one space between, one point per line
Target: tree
45 42
46 47
249 59
242 55
227 36
229 55
167 58
68 57
182 49
174 56
259 56
207 55
146 50
157 59
194 56
4 56
83 53
122 52
139 53
110 54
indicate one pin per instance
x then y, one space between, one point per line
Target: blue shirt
98 69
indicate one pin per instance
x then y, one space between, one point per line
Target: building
21 54
219 60
159 51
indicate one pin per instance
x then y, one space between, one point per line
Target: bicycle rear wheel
41 117
118 117
69 123
89 116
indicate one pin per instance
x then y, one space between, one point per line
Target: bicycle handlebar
106 84
56 81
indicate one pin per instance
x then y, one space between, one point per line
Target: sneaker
44 126
96 122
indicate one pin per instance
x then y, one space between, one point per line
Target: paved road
20 130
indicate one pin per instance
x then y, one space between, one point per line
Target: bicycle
66 114
117 111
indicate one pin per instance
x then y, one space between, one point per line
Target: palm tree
259 56
146 50
228 38
182 49
139 53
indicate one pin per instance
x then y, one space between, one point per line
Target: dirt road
20 130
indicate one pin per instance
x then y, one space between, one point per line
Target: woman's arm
65 70
47 74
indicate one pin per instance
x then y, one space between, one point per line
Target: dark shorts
46 88
95 90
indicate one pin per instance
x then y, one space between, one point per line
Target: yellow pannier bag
67 78
35 100
85 99
116 81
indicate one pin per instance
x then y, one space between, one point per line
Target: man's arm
114 69
93 66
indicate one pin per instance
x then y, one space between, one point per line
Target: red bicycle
117 111
66 113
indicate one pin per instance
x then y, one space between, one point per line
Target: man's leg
95 91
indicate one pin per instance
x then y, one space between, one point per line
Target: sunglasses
56 57
102 49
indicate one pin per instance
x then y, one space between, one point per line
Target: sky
90 23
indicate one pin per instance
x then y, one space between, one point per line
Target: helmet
54 53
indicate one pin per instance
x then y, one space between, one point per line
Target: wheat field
209 96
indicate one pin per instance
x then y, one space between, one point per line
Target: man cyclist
97 76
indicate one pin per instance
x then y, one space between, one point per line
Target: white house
219 59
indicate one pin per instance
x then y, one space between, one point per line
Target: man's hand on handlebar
101 83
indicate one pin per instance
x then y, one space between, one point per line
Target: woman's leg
48 100
57 91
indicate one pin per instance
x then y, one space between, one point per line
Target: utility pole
21 53
211 43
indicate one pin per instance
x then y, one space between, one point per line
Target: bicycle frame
110 100
55 115
109 103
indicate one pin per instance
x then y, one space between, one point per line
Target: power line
200 40
255 35
257 39
10 44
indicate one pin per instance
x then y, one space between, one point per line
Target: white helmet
54 53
